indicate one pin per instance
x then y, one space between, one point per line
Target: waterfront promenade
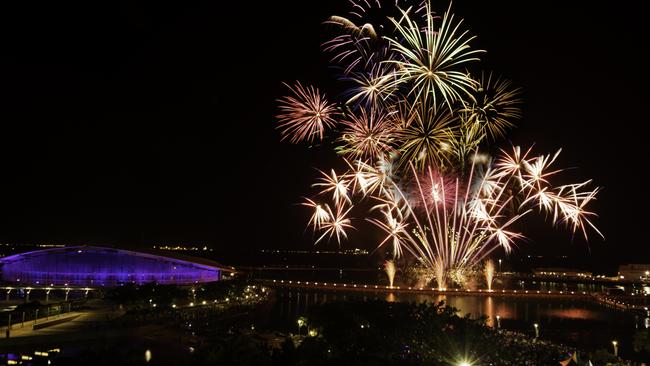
620 302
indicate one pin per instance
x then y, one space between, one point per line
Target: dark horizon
134 126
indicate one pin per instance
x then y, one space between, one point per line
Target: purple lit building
99 266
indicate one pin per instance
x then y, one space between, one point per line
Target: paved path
78 322
19 329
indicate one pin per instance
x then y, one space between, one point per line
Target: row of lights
616 302
204 302
30 358
423 289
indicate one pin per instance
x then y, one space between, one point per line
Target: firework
367 135
336 184
410 125
356 46
495 104
360 43
426 137
321 214
394 227
437 190
337 225
432 59
371 88
368 179
305 115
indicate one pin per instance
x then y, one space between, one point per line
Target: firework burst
496 104
305 115
431 60
368 134
426 137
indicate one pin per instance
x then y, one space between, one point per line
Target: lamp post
301 322
9 326
499 265
498 322
615 344
536 330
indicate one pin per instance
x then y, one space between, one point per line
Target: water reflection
572 321
378 276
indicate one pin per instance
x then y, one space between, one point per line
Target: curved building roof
100 266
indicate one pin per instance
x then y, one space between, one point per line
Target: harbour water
577 322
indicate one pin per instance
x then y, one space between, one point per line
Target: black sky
130 124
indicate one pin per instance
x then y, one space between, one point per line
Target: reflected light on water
391 297
565 319
583 314
489 311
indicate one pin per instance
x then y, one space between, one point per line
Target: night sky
136 125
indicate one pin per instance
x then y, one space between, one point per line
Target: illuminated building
99 266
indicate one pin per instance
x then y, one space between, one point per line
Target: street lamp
615 344
147 355
301 321
498 321
499 265
536 330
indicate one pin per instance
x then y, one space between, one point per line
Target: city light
147 355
